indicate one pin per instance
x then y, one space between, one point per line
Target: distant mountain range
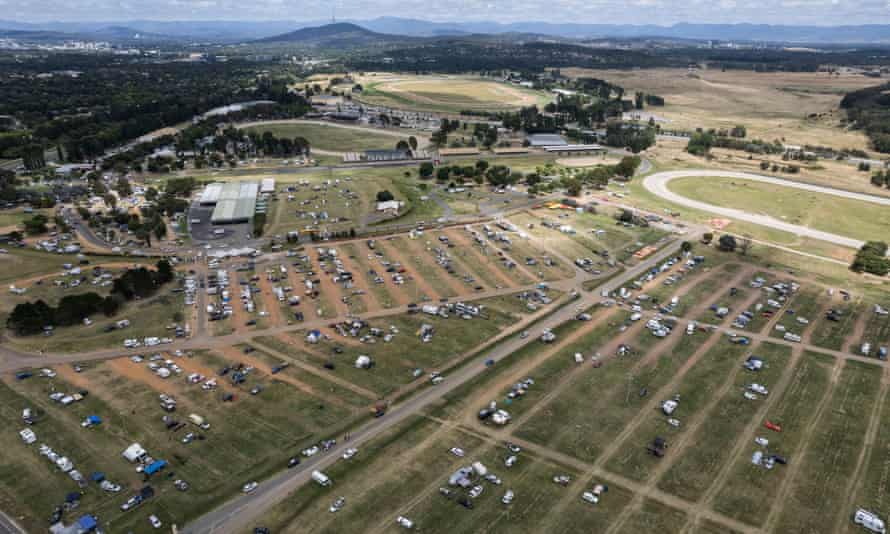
242 31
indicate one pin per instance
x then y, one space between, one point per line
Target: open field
804 306
833 334
251 436
332 138
10 219
449 94
861 220
709 448
584 428
750 489
591 423
876 332
396 361
696 388
771 105
835 446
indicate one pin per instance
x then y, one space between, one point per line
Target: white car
763 442
590 497
249 487
457 451
338 505
508 497
155 522
476 491
510 461
349 453
311 451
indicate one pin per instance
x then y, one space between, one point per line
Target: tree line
30 318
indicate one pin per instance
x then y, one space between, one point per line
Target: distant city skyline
642 12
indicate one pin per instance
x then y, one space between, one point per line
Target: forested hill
869 110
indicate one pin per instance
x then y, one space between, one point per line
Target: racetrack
657 184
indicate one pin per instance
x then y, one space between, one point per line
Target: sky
661 12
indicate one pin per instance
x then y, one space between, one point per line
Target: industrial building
545 140
233 202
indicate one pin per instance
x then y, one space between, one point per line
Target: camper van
321 478
870 521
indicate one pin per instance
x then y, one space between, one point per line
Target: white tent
134 453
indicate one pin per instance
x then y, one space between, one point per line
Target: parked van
321 478
869 520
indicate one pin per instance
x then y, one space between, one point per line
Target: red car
772 426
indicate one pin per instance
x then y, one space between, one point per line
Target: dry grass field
771 105
446 93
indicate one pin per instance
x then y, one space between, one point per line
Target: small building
464 151
390 206
575 149
387 155
267 186
509 150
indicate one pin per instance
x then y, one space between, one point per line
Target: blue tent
98 476
155 466
87 523
72 497
94 420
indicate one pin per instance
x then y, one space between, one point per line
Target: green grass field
835 448
751 489
696 389
853 218
694 470
803 305
332 138
833 334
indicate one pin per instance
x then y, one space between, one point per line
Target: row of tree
30 318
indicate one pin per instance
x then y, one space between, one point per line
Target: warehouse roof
236 202
210 194
545 140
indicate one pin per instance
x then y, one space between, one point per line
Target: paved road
247 510
658 185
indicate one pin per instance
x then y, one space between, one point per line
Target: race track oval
657 184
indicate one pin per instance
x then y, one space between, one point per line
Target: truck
320 478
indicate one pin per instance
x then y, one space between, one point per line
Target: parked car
155 522
457 451
250 487
508 497
772 426
338 505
